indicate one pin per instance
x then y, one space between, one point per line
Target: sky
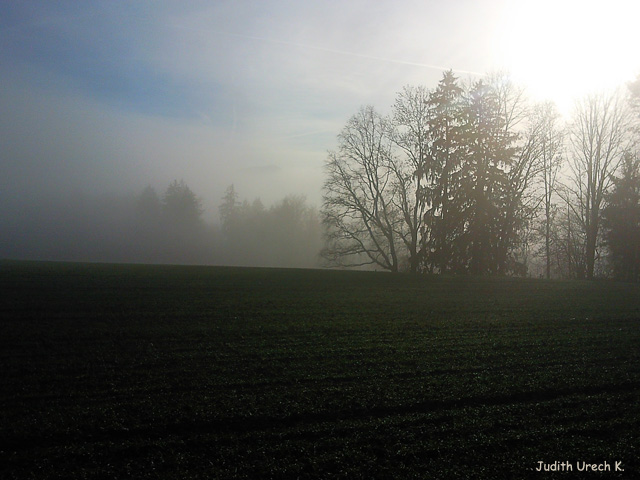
113 96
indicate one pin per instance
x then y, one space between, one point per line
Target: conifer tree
621 221
447 123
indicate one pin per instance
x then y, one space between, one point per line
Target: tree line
166 227
288 234
475 178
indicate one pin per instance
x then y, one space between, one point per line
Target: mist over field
161 228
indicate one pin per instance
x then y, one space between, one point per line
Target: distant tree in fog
147 232
184 235
286 235
148 206
228 208
181 206
295 232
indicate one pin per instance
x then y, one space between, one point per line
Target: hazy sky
112 96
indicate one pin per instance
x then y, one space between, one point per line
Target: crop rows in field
196 372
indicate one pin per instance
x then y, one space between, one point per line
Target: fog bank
148 227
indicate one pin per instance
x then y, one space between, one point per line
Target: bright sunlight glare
562 50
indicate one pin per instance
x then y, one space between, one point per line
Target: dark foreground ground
196 372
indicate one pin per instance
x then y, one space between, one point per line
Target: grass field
123 371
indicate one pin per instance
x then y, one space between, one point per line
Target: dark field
198 372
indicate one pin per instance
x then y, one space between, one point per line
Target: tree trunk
591 250
548 242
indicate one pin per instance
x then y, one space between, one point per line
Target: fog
162 228
99 101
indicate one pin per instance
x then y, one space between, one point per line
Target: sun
562 50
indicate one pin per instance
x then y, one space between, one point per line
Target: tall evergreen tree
483 189
228 208
621 221
445 152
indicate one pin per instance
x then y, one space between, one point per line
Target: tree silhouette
181 207
621 221
550 144
444 184
359 209
410 132
599 140
483 188
447 148
228 208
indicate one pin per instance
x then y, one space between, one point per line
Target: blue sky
112 96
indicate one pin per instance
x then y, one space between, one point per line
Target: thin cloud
306 134
332 50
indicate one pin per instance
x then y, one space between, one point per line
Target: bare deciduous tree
551 146
634 89
410 136
526 128
359 209
599 137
